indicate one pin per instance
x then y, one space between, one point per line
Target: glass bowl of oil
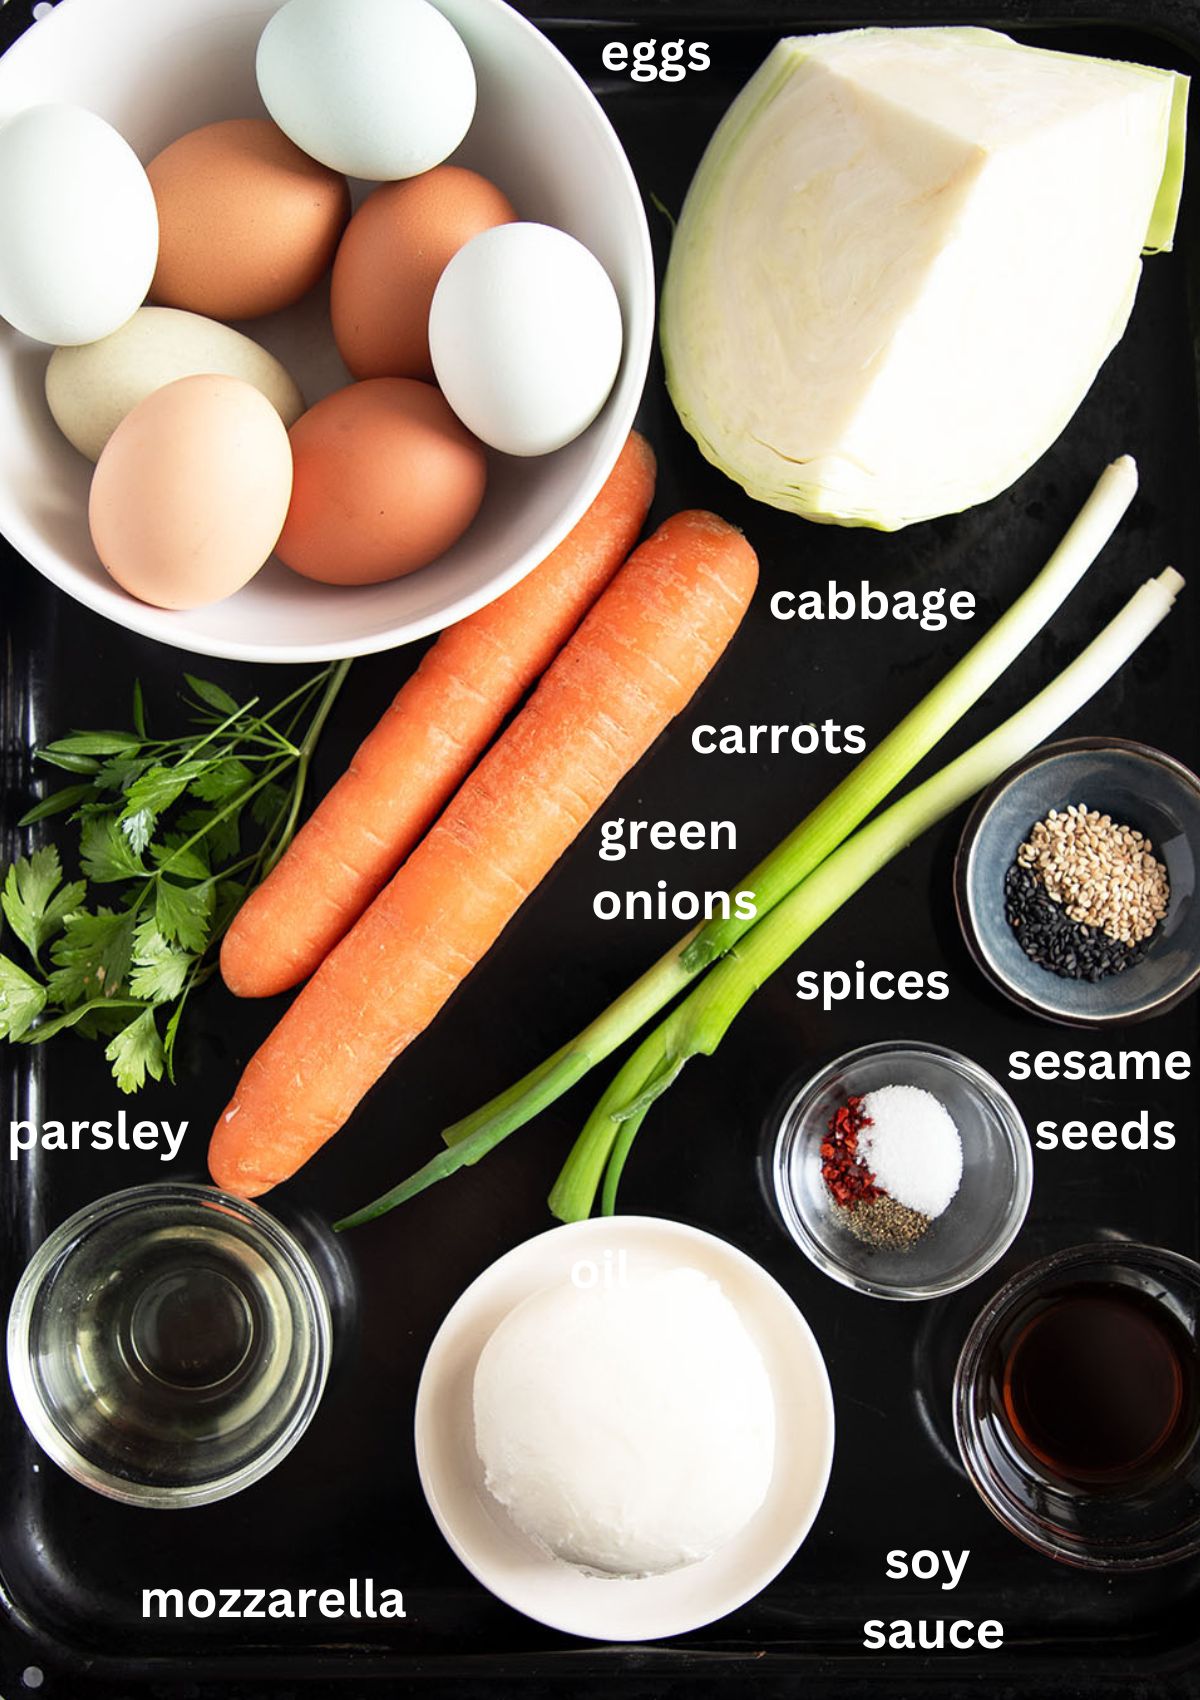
169 1344
1077 1406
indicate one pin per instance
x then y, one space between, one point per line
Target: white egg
91 389
380 89
525 335
78 226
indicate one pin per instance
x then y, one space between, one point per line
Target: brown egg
389 261
386 479
247 223
190 491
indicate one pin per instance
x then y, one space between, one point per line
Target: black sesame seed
1050 938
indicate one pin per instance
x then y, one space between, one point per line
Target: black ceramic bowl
1137 785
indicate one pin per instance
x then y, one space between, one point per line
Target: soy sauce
1100 1385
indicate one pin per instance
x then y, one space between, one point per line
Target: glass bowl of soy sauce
1077 1406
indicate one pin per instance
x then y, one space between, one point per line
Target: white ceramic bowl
605 1608
157 68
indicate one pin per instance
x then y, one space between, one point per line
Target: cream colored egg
191 491
91 388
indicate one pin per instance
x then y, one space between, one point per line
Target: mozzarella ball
628 1430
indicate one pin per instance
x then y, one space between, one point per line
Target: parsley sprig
174 833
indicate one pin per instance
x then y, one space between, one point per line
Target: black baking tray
347 1501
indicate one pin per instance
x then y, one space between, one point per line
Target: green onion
803 850
699 1024
878 774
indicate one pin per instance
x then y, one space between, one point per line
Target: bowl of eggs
323 322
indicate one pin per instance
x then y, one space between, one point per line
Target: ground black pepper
884 1223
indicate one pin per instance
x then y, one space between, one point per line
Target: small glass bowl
980 1222
1153 1523
168 1344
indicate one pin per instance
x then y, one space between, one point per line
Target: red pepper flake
845 1174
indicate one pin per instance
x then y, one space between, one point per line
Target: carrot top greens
161 823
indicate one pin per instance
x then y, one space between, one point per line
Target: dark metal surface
347 1501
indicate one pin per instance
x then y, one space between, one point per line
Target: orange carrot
427 742
631 667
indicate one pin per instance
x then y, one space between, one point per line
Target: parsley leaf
182 913
104 854
21 1000
30 907
119 772
224 779
159 967
189 864
136 1052
267 804
138 829
158 787
221 836
92 956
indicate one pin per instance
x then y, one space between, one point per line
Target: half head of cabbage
903 259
